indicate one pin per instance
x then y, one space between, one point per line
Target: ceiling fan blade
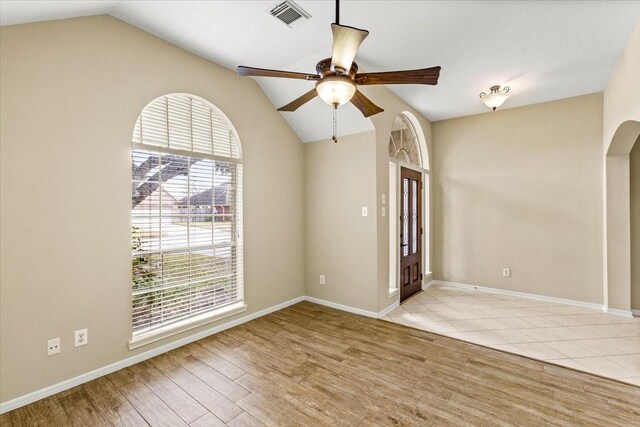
263 72
365 105
424 76
299 102
346 41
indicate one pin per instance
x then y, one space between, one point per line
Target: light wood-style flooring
309 365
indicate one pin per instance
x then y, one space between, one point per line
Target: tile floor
581 338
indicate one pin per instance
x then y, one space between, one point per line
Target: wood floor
308 365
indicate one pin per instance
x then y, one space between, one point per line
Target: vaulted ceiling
544 50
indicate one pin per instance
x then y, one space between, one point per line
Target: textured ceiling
544 50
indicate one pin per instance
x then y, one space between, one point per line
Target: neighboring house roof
222 197
154 200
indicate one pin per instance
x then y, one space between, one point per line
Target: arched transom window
186 214
403 142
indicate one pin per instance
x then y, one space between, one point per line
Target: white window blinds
186 211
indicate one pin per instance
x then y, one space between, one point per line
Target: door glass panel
405 217
414 216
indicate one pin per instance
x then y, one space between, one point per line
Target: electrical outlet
364 211
506 272
384 212
322 279
53 346
81 337
384 199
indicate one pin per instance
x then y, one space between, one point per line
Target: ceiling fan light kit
495 97
337 78
336 90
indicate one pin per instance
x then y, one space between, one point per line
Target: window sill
186 324
393 292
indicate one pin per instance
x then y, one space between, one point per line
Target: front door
410 233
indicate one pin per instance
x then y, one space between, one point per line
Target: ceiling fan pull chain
335 123
338 12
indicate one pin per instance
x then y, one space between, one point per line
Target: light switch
384 199
384 212
364 211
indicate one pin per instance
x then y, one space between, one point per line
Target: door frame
426 225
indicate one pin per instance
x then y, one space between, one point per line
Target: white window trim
187 324
176 152
212 315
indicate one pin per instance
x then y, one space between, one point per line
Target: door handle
402 245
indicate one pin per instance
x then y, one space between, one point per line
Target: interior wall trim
83 378
355 310
389 309
428 284
618 312
523 295
342 307
608 310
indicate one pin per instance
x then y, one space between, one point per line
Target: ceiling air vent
289 13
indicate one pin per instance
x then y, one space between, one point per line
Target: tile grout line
457 301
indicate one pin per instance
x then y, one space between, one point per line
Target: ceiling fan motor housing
323 68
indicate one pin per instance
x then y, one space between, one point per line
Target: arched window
404 144
186 214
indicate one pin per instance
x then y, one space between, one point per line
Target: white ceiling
544 50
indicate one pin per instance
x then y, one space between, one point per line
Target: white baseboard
618 312
346 308
354 310
389 309
523 295
81 379
428 284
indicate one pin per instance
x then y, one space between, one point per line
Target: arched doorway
620 267
409 240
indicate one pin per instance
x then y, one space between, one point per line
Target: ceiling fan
337 78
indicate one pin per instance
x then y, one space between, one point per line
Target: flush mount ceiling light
496 97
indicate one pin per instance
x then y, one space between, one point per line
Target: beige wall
621 127
521 188
622 93
635 225
70 93
352 251
618 212
339 242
